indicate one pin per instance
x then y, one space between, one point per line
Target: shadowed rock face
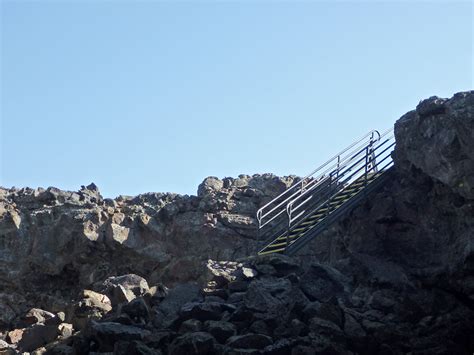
438 139
395 275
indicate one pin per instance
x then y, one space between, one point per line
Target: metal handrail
318 188
300 186
327 200
340 174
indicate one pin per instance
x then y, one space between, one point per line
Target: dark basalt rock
197 343
220 330
106 334
249 341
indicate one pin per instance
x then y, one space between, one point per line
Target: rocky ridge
395 276
69 240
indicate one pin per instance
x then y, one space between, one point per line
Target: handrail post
288 232
371 158
258 240
366 165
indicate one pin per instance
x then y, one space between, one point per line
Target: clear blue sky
155 96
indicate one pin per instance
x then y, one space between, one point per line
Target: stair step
278 245
274 247
297 230
314 221
336 202
315 216
293 236
271 251
286 239
346 194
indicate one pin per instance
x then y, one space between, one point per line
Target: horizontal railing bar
290 205
320 167
337 174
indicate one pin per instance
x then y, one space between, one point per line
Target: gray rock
36 315
198 343
36 336
106 334
260 327
210 184
201 311
295 328
137 284
282 264
65 330
438 138
327 329
236 297
60 349
264 295
249 341
249 273
238 286
213 298
92 305
4 345
157 293
327 311
281 346
134 347
119 294
220 330
137 310
168 309
323 283
190 325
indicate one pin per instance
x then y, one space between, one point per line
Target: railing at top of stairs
294 204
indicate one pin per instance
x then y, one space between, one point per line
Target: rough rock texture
67 241
395 276
438 139
410 246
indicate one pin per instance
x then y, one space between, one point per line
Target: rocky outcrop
410 244
288 310
438 139
132 275
68 241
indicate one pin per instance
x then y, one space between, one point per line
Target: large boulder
37 335
130 282
166 312
91 306
106 334
438 139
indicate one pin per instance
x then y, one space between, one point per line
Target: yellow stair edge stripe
357 186
315 216
314 221
271 251
291 236
298 230
277 245
338 197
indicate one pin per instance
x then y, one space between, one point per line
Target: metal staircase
303 211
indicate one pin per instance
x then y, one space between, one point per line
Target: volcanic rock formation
394 276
